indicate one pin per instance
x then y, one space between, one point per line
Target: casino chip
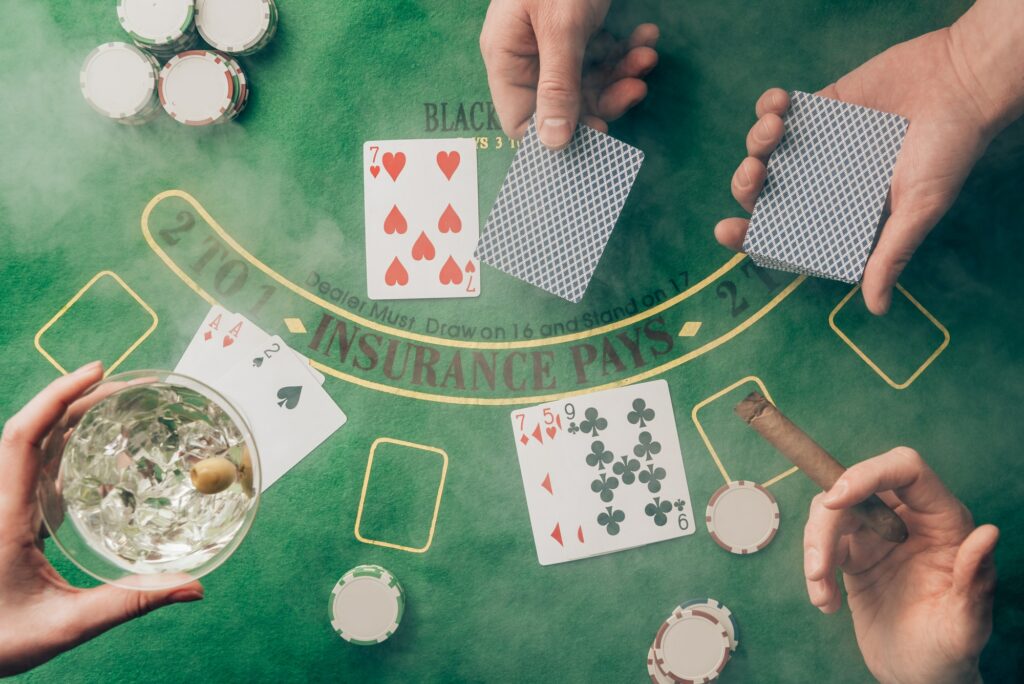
198 88
240 27
691 646
742 517
366 605
118 80
723 614
163 27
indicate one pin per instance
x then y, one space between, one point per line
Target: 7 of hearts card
422 221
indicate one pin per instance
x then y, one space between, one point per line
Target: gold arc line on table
397 332
78 295
444 398
871 364
707 441
366 483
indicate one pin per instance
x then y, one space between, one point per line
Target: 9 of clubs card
603 472
422 219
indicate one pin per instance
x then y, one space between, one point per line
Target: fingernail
87 368
761 132
742 177
837 492
555 132
185 596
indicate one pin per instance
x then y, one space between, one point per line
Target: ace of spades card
603 472
422 219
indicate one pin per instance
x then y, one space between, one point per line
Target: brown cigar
797 446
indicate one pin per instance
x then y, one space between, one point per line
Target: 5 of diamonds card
603 472
422 219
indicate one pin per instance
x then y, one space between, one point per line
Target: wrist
985 49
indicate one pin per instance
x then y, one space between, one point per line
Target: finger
561 48
824 594
748 181
620 97
595 123
772 101
94 611
901 235
974 571
510 60
901 470
764 137
823 532
730 232
24 433
644 35
637 63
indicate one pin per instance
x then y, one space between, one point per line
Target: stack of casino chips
202 87
164 27
694 643
237 27
118 80
196 87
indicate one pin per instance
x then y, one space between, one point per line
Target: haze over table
284 182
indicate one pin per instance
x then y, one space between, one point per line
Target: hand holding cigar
797 446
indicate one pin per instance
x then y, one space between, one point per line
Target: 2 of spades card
603 472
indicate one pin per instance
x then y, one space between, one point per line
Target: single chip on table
821 206
742 517
366 605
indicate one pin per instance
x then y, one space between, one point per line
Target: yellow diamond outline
866 359
707 441
78 295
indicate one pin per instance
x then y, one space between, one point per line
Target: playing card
422 218
557 208
222 338
821 206
603 472
288 412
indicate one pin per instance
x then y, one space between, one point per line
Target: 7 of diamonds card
603 472
422 218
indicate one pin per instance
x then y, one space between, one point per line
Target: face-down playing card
821 206
603 472
421 218
557 208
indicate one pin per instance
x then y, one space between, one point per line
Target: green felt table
151 224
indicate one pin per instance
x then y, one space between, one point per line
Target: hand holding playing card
916 80
543 56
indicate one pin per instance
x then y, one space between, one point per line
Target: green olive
212 475
245 472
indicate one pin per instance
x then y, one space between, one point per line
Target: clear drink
126 482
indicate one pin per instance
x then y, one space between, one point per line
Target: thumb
900 238
99 609
974 572
561 46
